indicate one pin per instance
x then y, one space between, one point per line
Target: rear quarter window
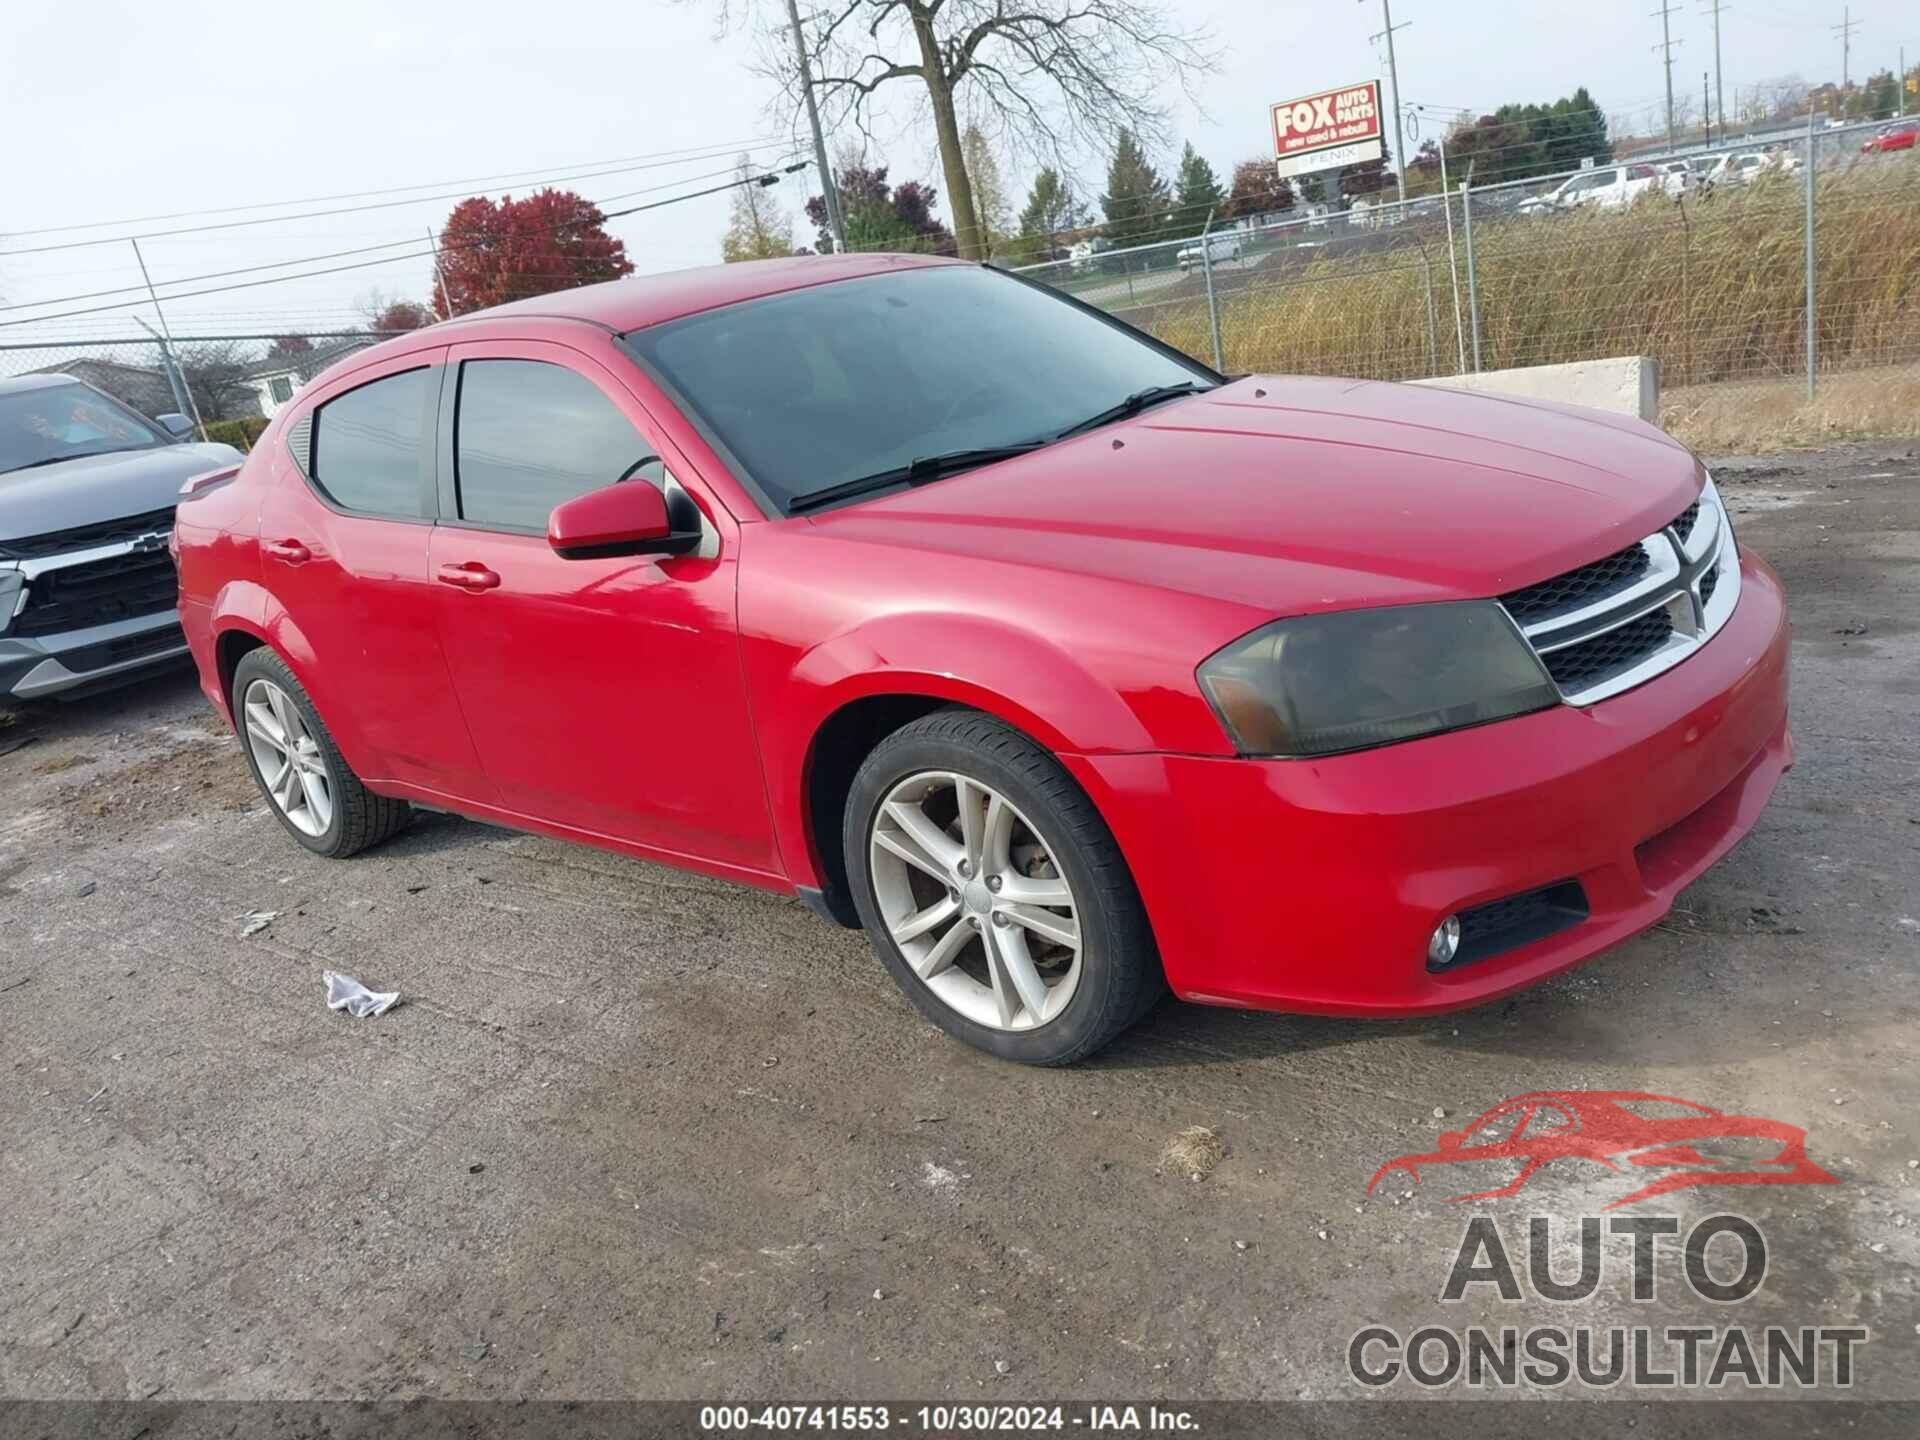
366 446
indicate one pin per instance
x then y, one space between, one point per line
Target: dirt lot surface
636 1133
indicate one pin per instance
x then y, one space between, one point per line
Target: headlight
1321 684
10 582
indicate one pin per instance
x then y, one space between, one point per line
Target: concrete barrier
1629 385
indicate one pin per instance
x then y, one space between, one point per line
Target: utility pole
1845 30
1900 90
1706 107
829 194
1393 74
1665 46
446 295
1719 92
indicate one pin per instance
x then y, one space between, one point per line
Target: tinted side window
529 435
366 446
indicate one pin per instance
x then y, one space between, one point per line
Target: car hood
1298 494
92 489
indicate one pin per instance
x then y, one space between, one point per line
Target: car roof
651 299
640 300
42 381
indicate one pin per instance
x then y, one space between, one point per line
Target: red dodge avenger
1066 668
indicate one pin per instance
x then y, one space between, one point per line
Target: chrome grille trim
1678 564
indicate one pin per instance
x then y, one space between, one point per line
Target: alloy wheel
292 767
976 900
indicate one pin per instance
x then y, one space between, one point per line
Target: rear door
604 695
344 531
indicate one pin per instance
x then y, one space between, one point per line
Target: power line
342 210
767 178
330 255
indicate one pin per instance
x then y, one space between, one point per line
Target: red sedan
1067 668
1892 137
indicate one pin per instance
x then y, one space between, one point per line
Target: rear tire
307 784
1018 931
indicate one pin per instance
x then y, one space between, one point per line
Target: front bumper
42 666
1313 885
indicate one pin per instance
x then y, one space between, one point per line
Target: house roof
307 363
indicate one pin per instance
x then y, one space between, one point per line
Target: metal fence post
175 381
1453 279
1213 305
1433 338
1813 327
1473 279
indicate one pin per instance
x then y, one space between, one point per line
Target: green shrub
238 433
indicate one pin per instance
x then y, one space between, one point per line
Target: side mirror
626 519
175 424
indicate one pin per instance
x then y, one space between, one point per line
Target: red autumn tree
551 240
1257 190
402 315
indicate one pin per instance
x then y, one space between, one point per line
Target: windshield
822 386
62 422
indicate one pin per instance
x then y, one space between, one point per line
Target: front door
602 694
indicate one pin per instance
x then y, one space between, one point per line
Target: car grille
88 537
1577 587
98 592
1591 661
1621 620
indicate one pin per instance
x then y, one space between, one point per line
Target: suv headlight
10 582
1321 684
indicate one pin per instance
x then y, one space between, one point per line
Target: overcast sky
117 111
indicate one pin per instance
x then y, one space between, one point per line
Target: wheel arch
246 617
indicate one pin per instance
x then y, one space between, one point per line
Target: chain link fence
1778 286
228 385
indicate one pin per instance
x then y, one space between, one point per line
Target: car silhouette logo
1624 1131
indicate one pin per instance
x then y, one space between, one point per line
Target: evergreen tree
1052 214
1197 194
1136 201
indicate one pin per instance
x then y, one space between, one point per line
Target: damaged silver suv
87 490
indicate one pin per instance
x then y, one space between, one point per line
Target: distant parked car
1897 136
1749 166
1677 177
87 491
1222 246
1610 187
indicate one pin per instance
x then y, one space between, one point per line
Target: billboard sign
1328 130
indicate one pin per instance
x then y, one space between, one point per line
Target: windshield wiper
914 472
50 460
1133 405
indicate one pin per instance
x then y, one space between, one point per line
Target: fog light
1445 943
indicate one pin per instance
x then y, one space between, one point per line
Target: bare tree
1048 75
215 372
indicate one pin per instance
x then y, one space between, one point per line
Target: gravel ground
633 1133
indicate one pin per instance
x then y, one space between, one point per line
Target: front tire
995 894
315 797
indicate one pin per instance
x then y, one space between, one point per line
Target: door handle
290 551
470 575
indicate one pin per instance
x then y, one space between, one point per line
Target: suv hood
1295 494
92 489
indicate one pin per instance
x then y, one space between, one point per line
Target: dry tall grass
1715 289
